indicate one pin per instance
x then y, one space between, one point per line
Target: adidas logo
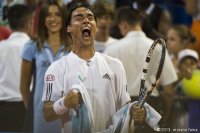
106 76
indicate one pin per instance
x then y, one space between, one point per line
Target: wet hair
42 33
184 33
18 15
76 5
103 7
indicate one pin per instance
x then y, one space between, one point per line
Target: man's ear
68 29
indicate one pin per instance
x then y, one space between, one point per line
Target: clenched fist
138 114
73 99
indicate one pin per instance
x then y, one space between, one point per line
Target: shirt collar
19 35
76 57
136 33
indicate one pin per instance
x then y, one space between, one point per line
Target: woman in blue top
50 45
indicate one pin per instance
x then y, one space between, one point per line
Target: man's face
82 27
103 23
187 66
123 28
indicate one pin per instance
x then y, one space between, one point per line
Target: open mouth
86 33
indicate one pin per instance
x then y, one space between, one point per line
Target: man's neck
84 54
134 28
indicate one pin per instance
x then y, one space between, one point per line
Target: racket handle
138 127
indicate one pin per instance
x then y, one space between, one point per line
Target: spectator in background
11 105
105 15
190 71
164 23
178 38
156 20
177 11
4 32
51 44
132 51
193 8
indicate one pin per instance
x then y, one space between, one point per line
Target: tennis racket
152 70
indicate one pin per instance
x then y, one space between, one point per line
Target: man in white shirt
11 106
132 51
103 77
105 13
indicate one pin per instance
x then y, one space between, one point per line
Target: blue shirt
42 59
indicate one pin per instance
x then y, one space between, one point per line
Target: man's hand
137 114
72 100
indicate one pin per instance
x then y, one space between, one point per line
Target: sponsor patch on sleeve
50 77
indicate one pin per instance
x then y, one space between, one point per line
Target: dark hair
126 13
76 5
103 7
42 33
18 15
184 33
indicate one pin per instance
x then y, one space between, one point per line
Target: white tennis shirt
104 78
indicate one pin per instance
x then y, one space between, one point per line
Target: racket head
152 70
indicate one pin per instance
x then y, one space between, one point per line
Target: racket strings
153 66
152 69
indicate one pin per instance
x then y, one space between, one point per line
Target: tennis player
103 76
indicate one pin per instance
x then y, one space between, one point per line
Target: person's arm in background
167 80
25 82
168 95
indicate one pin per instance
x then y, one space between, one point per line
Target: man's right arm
61 107
48 111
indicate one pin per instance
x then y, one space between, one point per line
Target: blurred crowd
33 34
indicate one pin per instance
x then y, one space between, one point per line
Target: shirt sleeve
29 51
53 89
